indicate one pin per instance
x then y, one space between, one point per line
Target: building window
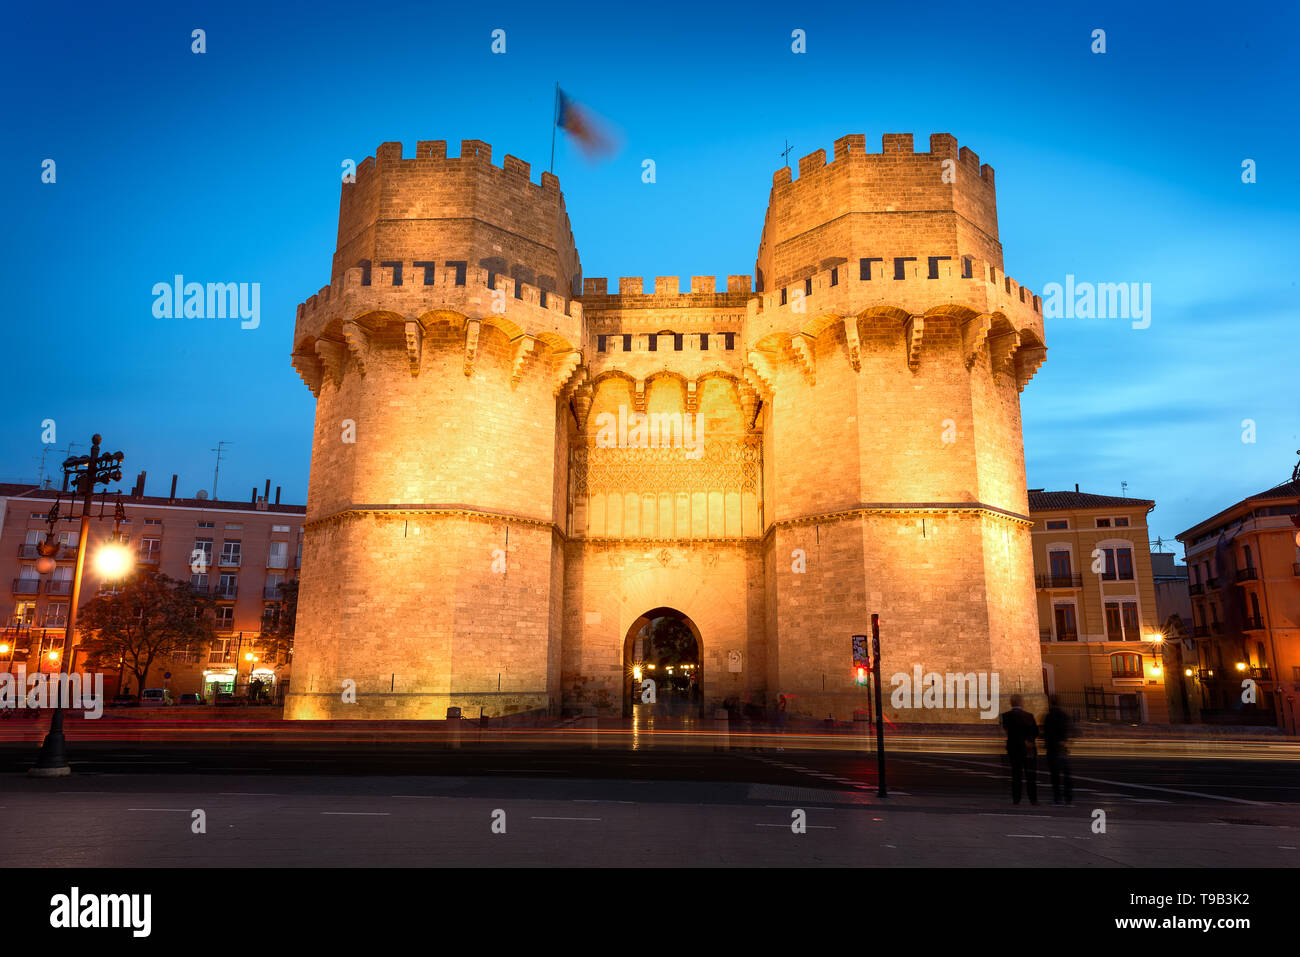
153 521
234 528
1125 665
1114 624
1124 557
24 612
230 552
150 551
1121 522
1059 562
202 554
1109 573
1130 615
56 615
297 562
199 582
1250 562
279 555
1057 524
225 617
279 528
227 586
1103 523
1066 628
206 525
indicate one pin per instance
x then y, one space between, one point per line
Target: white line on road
1026 835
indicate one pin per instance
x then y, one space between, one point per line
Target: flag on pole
580 123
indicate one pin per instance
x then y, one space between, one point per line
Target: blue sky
224 166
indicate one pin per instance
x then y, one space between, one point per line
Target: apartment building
1099 627
245 550
1245 592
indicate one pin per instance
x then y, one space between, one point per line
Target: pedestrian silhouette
1022 749
1056 734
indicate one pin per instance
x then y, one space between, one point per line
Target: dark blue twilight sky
1121 167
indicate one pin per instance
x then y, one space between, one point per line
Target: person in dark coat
1022 749
1056 732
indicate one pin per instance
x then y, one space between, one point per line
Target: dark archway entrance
664 646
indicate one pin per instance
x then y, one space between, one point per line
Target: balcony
28 551
277 561
27 586
1196 588
59 586
1295 569
219 657
148 558
1211 583
1247 575
225 591
1201 631
1060 581
229 561
67 553
271 593
1068 635
1253 623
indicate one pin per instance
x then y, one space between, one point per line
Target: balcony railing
148 558
66 553
1211 583
1060 581
1201 631
219 657
28 551
1253 623
1067 635
277 561
27 586
229 561
271 593
225 591
60 621
1196 588
1295 569
59 586
1247 574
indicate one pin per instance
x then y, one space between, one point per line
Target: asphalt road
421 804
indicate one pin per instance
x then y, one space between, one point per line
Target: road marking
185 809
1026 835
1145 787
356 813
544 818
820 827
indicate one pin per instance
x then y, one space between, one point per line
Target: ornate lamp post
84 472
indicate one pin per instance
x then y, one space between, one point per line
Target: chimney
172 496
266 492
277 495
1076 486
253 499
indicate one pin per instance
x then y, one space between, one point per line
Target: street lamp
85 472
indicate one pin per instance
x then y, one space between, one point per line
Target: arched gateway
663 646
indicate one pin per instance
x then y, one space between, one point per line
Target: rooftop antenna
1123 487
217 471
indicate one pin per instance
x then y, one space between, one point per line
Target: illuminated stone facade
489 514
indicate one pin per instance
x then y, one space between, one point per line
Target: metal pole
52 761
880 717
555 116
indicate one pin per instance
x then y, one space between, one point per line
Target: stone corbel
358 341
802 346
523 347
566 364
414 344
760 374
582 397
332 356
914 332
1003 349
852 342
748 406
309 367
1028 360
975 333
471 343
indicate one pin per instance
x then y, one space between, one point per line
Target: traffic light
862 676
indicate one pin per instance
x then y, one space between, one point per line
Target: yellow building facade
1099 629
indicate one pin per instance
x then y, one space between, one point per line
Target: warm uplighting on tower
1241 666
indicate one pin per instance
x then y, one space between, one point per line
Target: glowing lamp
53 656
1241 666
1188 672
44 565
4 649
113 560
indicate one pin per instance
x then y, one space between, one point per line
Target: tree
276 643
150 616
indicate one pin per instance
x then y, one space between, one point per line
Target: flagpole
555 116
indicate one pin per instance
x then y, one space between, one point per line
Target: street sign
861 653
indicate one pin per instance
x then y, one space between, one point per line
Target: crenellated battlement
893 147
474 155
667 287
905 284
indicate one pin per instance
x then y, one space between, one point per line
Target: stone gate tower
508 476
